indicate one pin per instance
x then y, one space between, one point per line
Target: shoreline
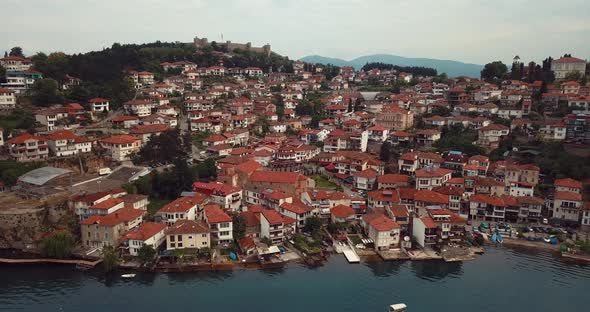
515 244
521 243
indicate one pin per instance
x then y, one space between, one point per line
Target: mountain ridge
452 68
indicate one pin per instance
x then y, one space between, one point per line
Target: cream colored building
188 234
7 99
101 231
120 147
395 118
564 65
28 147
384 232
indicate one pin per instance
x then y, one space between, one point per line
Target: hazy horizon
344 29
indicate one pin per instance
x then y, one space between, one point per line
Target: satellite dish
406 238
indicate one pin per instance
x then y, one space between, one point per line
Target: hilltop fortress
203 42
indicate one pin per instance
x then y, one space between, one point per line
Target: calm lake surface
501 280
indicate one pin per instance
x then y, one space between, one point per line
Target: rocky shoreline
13 257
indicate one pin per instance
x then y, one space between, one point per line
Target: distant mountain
452 68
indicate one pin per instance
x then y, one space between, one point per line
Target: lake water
501 280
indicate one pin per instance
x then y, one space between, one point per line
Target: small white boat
400 307
132 275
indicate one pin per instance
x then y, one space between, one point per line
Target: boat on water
551 240
497 238
132 275
399 307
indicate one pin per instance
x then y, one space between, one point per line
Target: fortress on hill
203 42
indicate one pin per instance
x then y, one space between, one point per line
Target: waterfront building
183 208
272 226
149 233
220 224
188 234
99 231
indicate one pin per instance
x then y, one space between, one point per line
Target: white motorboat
132 275
399 307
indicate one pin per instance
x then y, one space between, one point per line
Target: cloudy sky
474 31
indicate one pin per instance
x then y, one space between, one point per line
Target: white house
384 232
183 208
99 104
220 224
7 99
272 226
149 233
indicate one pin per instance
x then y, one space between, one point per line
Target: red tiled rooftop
342 211
275 177
107 204
430 173
428 222
272 216
568 182
295 207
121 139
117 217
187 227
431 197
154 128
383 224
393 178
144 231
214 214
182 204
569 196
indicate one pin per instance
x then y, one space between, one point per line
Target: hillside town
223 153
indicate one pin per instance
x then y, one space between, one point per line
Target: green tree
162 148
146 253
58 245
385 153
109 258
16 51
573 76
265 240
2 74
45 92
239 227
494 70
441 111
313 225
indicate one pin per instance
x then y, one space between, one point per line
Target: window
178 237
179 245
203 235
190 237
171 238
204 243
223 233
172 245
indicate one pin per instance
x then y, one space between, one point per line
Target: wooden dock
83 263
351 256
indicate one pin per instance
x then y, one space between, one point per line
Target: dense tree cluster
170 183
458 138
494 71
414 70
58 245
163 148
10 170
103 72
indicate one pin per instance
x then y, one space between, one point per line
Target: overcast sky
476 31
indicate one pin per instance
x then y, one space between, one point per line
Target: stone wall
23 222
